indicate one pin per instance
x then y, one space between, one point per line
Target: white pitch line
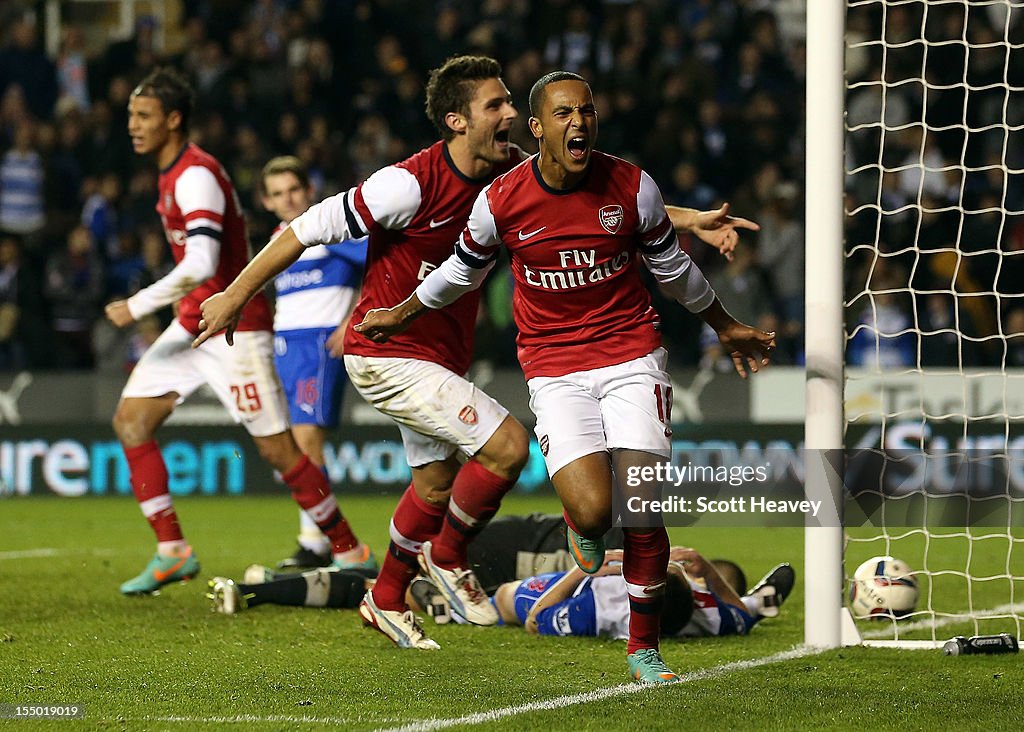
46 552
556 703
428 725
29 554
255 718
954 619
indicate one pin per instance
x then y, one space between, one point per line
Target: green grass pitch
168 662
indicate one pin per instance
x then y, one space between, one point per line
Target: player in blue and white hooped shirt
315 298
703 598
698 601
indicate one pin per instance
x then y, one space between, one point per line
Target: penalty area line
428 725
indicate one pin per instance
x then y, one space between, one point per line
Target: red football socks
149 484
312 492
413 522
476 497
644 567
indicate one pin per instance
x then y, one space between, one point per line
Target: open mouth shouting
501 138
578 148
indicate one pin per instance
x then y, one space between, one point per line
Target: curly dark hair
451 88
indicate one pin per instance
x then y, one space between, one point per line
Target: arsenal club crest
610 218
468 415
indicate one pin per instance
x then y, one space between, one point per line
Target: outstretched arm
465 270
389 199
221 311
566 586
715 228
681 278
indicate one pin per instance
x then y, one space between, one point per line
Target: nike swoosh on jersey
434 224
524 237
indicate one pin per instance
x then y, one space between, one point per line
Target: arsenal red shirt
413 212
579 302
203 223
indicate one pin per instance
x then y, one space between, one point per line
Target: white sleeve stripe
649 203
392 197
202 253
681 278
203 237
197 189
322 223
448 282
482 228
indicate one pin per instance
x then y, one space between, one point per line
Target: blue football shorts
314 382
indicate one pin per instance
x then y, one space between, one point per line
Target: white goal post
823 545
921 140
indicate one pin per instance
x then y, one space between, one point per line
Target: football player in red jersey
464 449
574 221
412 212
204 226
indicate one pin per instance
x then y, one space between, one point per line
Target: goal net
933 281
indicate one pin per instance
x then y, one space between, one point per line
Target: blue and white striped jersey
318 290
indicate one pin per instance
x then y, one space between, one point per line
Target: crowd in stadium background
704 94
945 290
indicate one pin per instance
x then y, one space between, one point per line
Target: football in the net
883 587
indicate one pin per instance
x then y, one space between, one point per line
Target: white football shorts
242 376
437 411
625 406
